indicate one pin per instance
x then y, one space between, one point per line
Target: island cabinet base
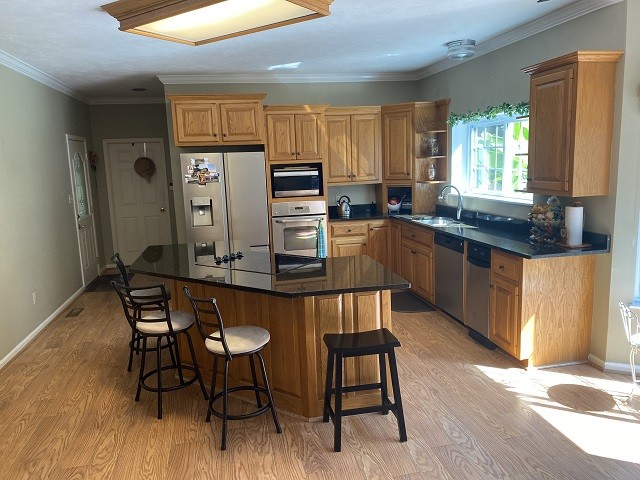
296 356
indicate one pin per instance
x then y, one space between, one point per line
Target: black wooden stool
344 345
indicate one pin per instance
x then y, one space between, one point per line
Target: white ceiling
77 48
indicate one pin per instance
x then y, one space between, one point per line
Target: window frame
466 129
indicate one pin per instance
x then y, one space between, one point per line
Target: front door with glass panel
83 208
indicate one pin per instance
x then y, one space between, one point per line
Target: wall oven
296 180
295 227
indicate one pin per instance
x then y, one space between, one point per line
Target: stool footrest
170 388
243 416
358 388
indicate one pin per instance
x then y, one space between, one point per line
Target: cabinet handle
413 235
297 153
529 179
349 230
413 252
293 153
501 267
407 174
224 135
215 135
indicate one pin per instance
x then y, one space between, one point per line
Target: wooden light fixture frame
134 13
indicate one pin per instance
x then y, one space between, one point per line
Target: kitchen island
297 299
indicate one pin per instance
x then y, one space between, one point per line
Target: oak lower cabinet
571 124
295 132
540 309
372 238
217 119
353 145
416 260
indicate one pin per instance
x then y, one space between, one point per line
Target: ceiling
77 48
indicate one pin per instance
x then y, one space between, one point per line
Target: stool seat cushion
179 321
635 340
150 292
240 340
353 342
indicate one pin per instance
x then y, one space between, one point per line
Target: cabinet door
406 262
504 315
550 142
338 148
281 136
423 273
379 243
241 122
395 248
398 145
196 123
308 135
365 147
346 246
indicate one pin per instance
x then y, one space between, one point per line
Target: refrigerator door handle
301 220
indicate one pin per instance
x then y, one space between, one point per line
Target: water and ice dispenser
201 212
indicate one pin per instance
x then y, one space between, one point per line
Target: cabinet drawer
348 229
506 266
419 235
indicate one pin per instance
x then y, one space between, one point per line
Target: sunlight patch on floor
597 415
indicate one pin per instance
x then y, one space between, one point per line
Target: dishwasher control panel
449 242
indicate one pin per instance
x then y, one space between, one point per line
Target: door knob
80 226
162 209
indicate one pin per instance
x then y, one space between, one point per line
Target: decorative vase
431 172
432 146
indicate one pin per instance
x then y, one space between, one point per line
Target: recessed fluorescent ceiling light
198 22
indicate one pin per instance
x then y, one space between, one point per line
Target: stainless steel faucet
441 197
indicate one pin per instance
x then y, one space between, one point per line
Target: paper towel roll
573 218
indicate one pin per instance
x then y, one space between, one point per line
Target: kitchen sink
442 222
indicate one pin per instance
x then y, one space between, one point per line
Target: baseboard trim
18 348
612 367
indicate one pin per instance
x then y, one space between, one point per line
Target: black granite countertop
505 234
509 235
273 274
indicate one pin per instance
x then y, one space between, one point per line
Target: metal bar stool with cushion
134 344
379 342
227 343
150 318
632 331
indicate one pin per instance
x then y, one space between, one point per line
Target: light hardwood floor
67 412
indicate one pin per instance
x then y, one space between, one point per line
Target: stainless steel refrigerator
225 201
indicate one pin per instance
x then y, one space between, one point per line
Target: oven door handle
278 220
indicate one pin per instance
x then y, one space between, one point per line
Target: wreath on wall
521 109
145 167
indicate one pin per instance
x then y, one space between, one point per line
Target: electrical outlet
35 297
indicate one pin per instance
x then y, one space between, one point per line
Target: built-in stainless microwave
296 181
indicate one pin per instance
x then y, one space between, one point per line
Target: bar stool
343 345
227 343
134 344
149 316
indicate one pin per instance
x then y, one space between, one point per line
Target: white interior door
78 162
139 207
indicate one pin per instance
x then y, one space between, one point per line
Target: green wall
38 240
109 122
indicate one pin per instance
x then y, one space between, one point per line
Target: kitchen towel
573 219
321 249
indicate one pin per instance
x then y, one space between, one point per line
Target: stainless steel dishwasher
449 262
477 293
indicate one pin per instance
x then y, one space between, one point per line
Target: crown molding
285 78
553 19
27 70
126 100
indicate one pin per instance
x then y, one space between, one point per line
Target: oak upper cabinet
397 143
570 124
353 142
295 132
217 119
